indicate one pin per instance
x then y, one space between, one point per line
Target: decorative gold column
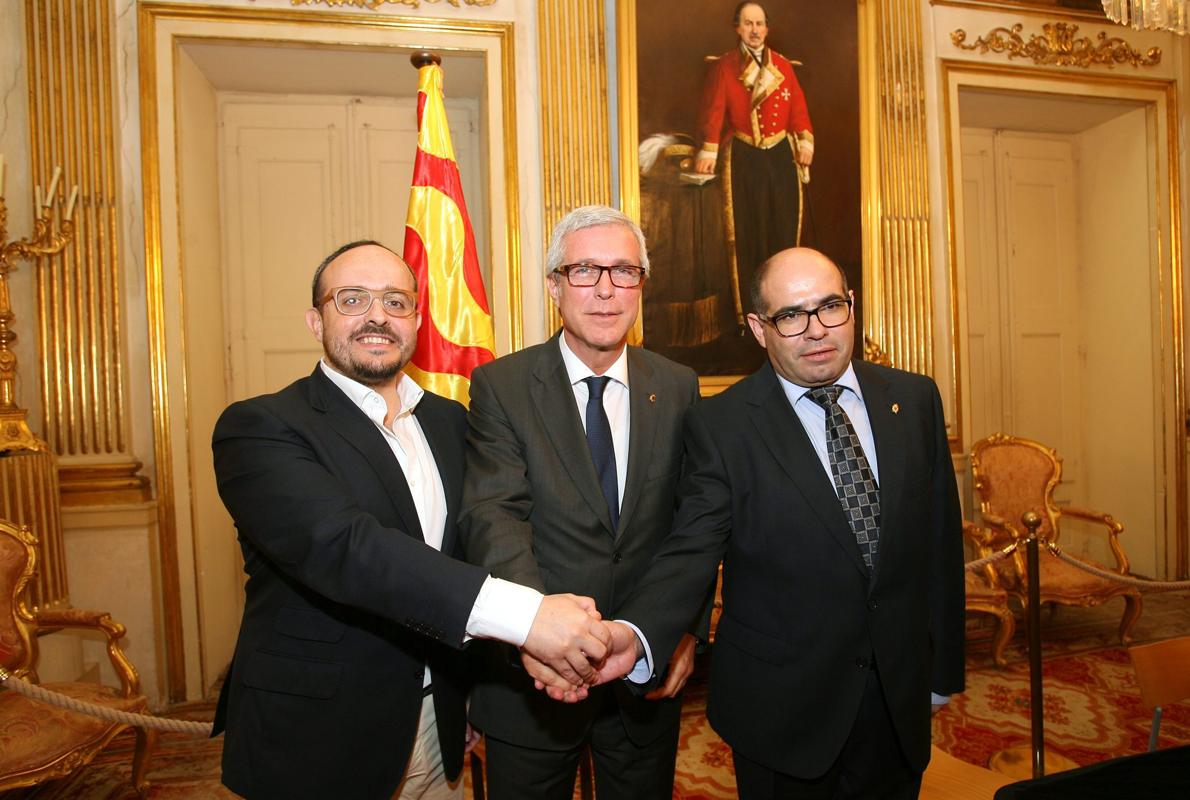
72 108
898 291
574 113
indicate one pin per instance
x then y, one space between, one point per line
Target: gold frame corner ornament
1058 46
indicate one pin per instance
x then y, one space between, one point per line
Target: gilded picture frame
695 301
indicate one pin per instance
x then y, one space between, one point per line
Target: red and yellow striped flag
456 328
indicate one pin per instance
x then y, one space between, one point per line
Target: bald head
794 256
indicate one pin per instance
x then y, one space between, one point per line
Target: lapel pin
652 398
896 408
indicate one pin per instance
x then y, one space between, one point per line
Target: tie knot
595 386
826 396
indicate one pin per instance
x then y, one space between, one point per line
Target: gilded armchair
39 742
1014 475
984 593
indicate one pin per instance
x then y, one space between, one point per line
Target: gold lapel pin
652 398
896 408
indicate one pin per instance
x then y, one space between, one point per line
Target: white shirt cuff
939 699
503 610
711 154
642 671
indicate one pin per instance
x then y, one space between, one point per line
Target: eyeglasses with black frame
830 314
624 276
355 301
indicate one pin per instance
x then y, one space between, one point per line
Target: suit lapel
359 432
553 397
779 427
889 434
448 456
642 432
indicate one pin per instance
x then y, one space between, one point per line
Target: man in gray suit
573 457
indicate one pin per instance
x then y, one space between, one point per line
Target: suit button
861 662
872 605
617 558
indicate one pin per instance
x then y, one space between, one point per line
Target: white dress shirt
503 610
615 402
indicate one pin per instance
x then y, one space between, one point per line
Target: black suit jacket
802 621
345 604
533 513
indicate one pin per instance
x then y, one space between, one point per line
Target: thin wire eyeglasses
355 301
624 276
830 314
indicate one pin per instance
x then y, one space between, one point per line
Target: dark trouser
623 770
870 766
766 206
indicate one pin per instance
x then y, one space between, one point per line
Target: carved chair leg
146 742
1005 628
1133 605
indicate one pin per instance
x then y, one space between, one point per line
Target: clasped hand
571 648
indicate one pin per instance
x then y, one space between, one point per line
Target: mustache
372 327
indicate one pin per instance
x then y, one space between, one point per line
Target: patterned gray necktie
854 483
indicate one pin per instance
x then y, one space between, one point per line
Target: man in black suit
574 452
344 488
826 485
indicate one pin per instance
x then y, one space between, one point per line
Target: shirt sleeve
503 610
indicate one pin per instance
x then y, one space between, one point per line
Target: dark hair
757 298
316 295
735 18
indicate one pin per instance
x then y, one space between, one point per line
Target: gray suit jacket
533 513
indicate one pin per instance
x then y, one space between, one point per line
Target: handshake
571 648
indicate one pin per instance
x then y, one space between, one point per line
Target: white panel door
385 135
284 197
1042 298
981 257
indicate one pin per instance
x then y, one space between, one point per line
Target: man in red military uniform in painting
755 127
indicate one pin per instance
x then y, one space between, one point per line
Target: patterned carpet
1092 713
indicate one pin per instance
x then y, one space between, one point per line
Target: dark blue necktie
603 452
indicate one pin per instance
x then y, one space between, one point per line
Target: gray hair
585 217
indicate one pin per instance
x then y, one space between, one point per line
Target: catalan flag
456 327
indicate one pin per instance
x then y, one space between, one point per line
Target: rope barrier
35 692
971 566
1142 583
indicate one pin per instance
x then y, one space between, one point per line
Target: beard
370 371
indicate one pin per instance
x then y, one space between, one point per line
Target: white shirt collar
576 370
847 380
369 400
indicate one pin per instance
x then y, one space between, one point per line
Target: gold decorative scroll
372 5
72 104
574 114
898 289
1058 46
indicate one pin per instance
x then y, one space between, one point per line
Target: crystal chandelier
1170 15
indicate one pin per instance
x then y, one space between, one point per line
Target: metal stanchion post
1032 522
1015 761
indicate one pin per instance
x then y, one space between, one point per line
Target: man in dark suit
344 488
573 456
827 486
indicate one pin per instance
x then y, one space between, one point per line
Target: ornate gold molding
1058 46
372 5
898 285
574 114
79 293
875 354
